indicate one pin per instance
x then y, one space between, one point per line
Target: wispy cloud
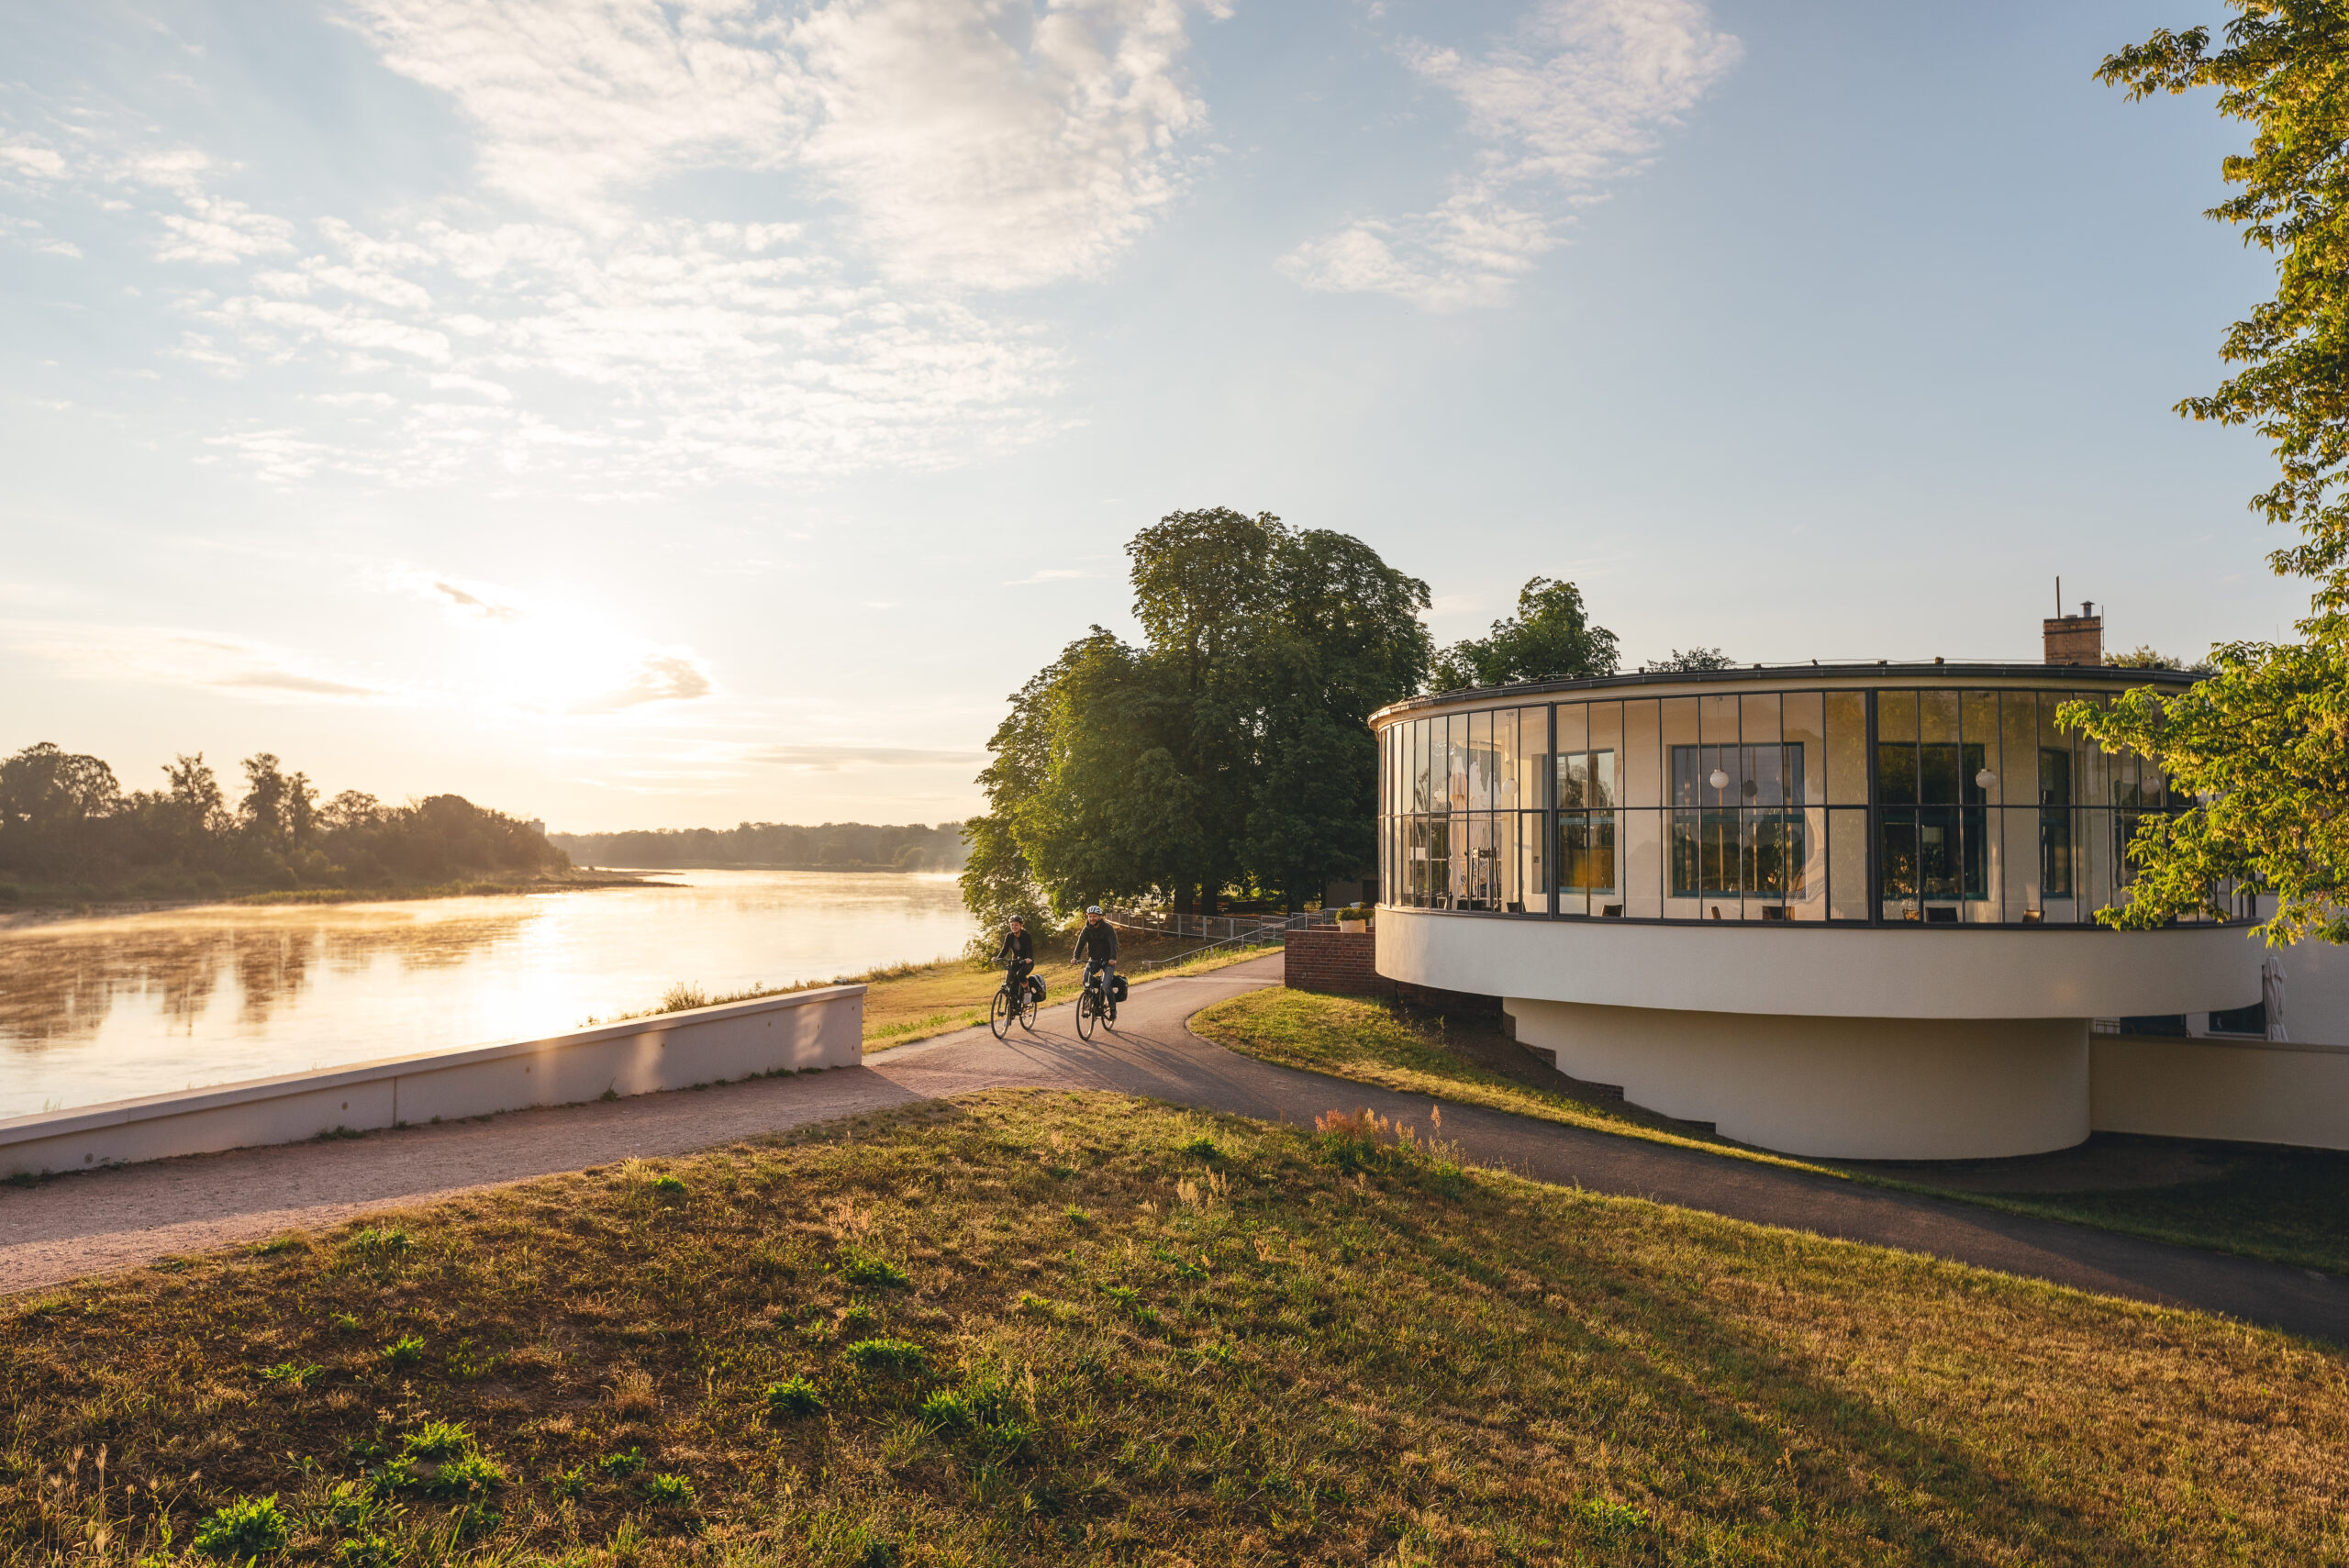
1576 99
173 657
829 759
558 319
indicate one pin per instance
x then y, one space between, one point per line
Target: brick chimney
2075 640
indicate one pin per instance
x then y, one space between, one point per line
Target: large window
1586 795
1932 828
1738 829
1891 804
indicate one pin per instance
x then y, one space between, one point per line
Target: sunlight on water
99 1011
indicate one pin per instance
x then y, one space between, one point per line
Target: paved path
112 1219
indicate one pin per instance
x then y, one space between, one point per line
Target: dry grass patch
1052 1327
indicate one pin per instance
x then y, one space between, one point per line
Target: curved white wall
1812 970
1834 1088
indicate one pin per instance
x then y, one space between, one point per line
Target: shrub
247 1528
668 1491
873 1273
437 1439
376 1245
945 1410
888 1356
796 1398
405 1351
1204 1147
1611 1520
295 1375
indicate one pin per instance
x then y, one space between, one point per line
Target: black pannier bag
1117 988
1036 983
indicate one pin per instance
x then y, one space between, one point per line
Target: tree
1549 638
2263 746
278 810
1228 750
1689 659
2145 656
50 804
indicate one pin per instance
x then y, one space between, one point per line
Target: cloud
561 318
658 677
32 158
165 656
977 143
831 759
1576 100
481 606
993 145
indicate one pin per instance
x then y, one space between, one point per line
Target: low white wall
2246 1090
674 1051
1815 971
1839 1088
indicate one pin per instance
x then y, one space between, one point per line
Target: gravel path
107 1220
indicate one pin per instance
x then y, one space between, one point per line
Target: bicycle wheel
1028 1008
999 1015
1084 1012
1110 1021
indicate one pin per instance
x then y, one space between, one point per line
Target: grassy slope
2284 1205
1137 1349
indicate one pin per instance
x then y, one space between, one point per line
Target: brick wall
1341 963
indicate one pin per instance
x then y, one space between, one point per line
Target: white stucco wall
675 1050
2244 1091
1834 1088
1813 971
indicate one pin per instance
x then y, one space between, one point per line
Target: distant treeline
829 846
67 825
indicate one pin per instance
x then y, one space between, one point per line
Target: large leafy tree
1228 750
2263 745
1551 638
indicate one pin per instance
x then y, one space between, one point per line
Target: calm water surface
99 1011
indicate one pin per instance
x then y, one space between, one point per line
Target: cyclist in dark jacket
1017 954
1096 949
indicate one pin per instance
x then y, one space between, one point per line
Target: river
110 1008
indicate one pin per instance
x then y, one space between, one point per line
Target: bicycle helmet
1093 908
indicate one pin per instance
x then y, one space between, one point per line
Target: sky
671 415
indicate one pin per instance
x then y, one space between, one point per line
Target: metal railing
1237 930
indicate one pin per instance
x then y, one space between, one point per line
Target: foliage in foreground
2266 742
1129 1333
2283 1205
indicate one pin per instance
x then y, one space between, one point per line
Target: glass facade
1934 805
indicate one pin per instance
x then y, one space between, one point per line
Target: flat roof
1882 673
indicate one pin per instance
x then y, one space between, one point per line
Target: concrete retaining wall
803 1030
2246 1090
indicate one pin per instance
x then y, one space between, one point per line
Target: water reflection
60 983
98 1010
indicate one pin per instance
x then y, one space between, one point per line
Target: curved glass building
1841 910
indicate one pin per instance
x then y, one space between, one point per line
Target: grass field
2289 1205
1062 1328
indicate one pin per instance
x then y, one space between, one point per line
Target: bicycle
1098 1001
1007 1006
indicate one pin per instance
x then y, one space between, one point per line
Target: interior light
1985 779
1720 780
